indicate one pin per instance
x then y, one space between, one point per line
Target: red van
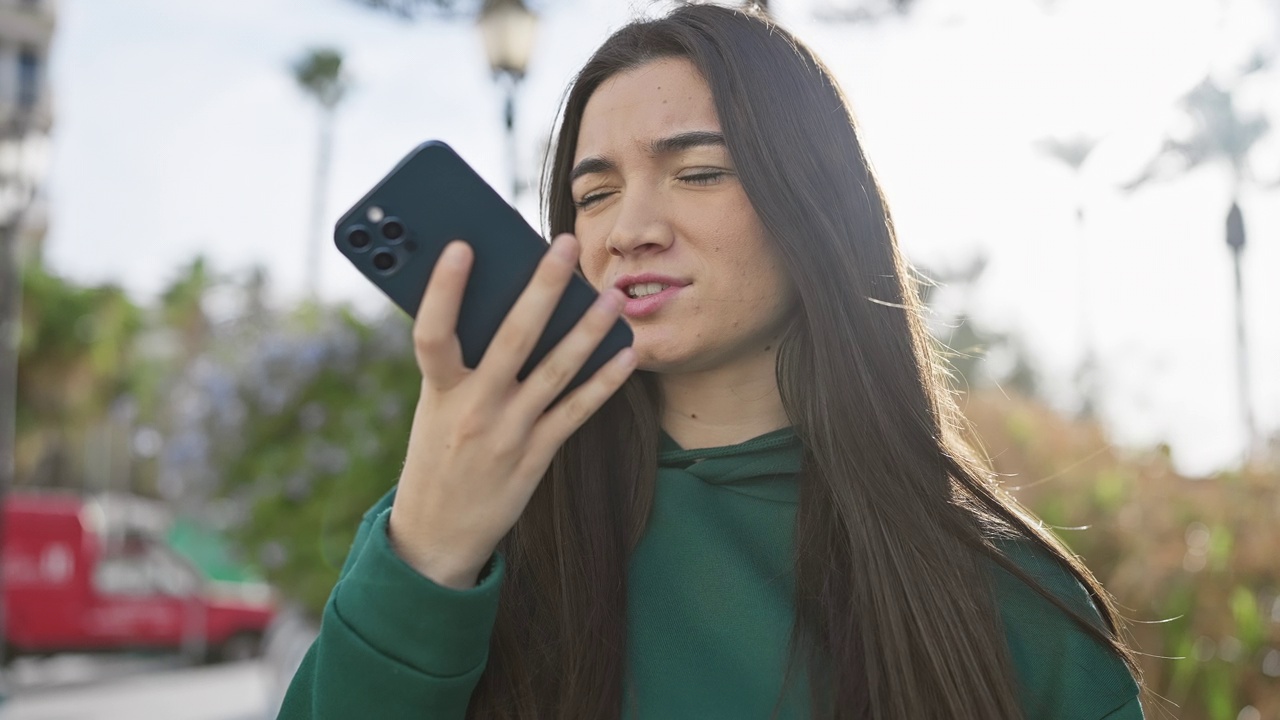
89 575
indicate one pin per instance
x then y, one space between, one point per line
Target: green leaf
1250 628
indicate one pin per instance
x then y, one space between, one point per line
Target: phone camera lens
359 238
384 260
392 229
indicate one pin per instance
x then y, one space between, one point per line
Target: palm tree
1221 136
1074 152
184 343
182 306
319 74
75 362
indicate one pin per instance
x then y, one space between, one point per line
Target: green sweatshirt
708 617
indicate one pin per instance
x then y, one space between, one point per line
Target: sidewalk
221 692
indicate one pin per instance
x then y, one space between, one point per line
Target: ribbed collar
764 467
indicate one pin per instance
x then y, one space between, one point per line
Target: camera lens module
384 260
392 229
359 238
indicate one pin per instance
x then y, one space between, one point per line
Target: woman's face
660 209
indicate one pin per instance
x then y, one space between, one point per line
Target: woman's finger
527 319
435 328
561 421
558 368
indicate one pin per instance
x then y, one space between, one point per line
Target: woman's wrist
456 571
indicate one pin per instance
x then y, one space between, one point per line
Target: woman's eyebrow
662 146
686 141
591 165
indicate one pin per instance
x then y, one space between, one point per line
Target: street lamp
508 29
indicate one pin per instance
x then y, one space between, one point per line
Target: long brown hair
894 611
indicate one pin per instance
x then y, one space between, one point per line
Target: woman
774 517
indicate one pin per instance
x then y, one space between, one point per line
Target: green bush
1192 562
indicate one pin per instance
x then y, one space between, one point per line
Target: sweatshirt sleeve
1062 672
393 643
1131 710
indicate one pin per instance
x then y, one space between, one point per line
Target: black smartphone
395 235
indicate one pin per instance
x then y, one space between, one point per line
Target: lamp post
508 28
16 192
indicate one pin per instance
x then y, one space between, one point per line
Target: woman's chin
662 350
650 361
661 362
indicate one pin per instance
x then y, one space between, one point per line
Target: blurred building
26 115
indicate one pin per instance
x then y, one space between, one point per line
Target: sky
179 131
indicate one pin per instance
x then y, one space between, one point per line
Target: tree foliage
320 74
1217 132
74 361
1191 561
413 9
313 434
848 11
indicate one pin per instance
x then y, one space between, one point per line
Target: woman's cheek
591 269
594 278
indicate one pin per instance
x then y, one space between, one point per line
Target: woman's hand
481 441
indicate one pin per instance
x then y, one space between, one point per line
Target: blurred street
143 687
85 688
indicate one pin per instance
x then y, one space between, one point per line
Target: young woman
760 510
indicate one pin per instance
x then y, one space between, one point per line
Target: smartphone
395 235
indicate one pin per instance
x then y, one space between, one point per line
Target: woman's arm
406 630
392 643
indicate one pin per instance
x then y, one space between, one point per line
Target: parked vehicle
96 575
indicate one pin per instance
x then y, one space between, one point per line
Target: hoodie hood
764 467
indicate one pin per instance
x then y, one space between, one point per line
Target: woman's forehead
633 108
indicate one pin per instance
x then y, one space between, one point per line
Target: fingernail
563 249
609 300
453 253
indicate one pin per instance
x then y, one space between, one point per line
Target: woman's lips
649 304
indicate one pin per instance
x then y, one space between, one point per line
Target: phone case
433 197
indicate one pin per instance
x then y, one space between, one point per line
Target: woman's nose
640 225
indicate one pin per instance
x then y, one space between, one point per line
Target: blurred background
199 397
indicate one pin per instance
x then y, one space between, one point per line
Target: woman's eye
703 178
590 199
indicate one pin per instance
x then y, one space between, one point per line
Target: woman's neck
725 405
